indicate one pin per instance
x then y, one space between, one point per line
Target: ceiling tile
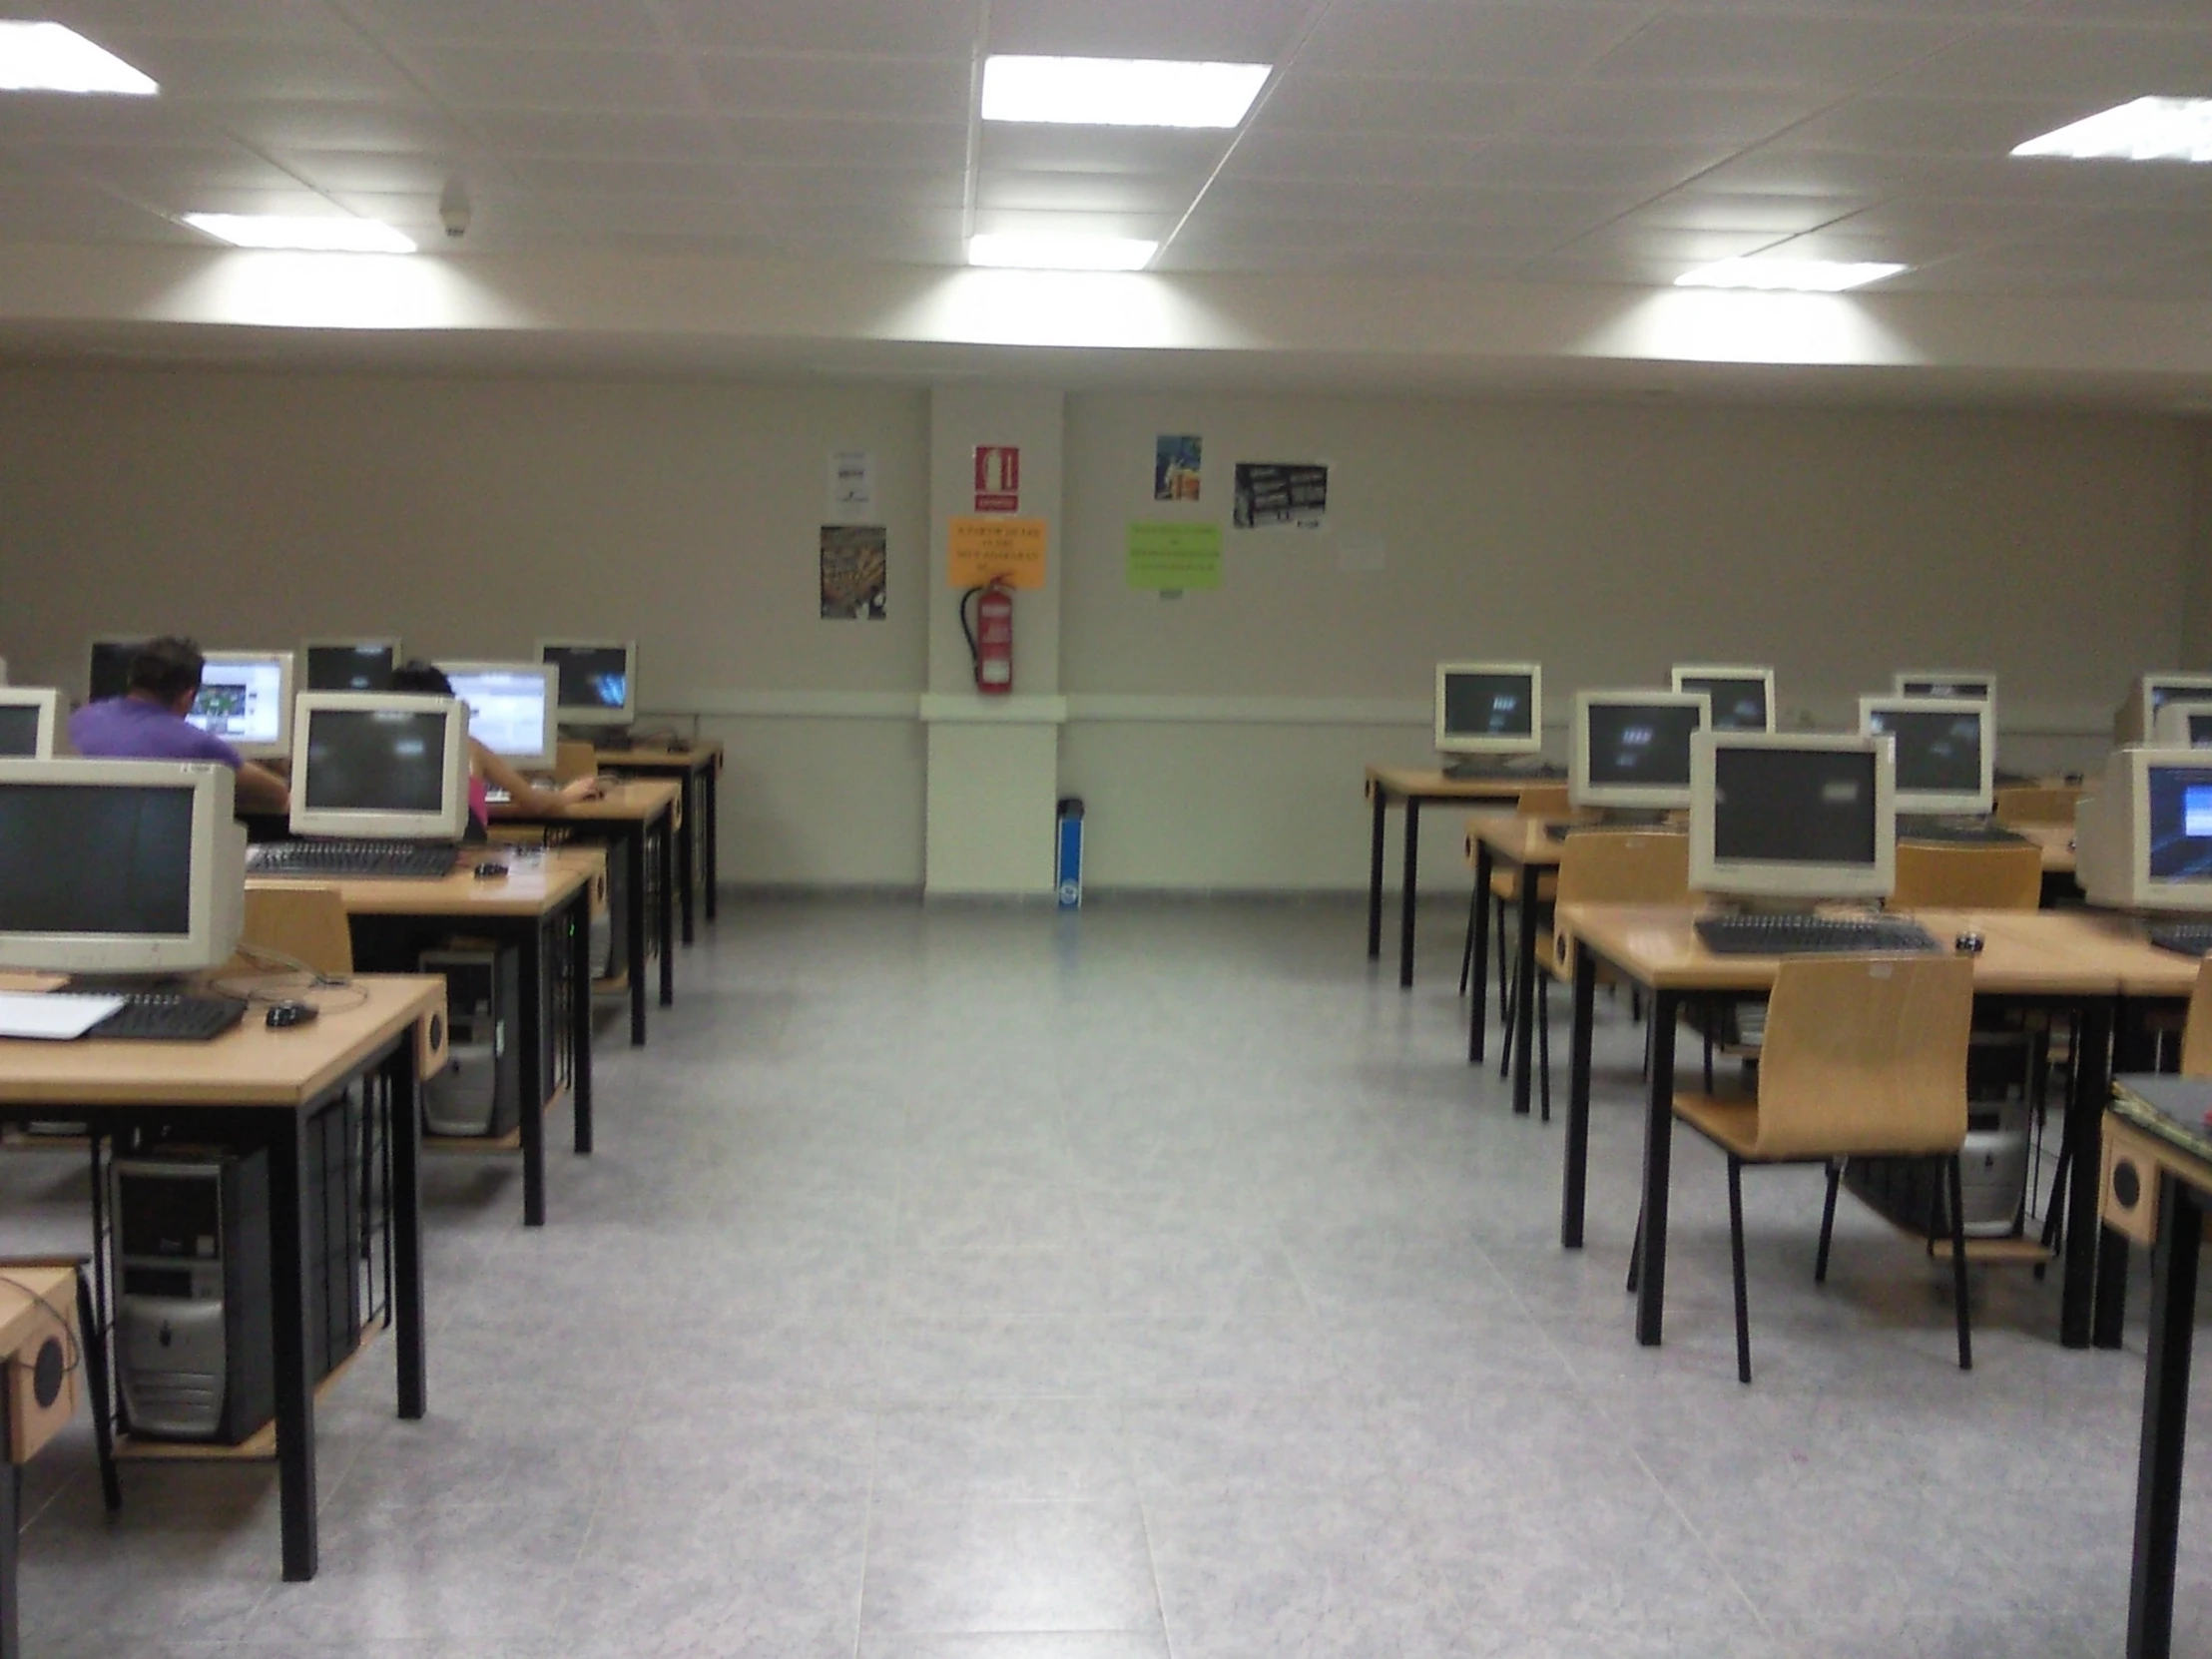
886 88
828 142
514 78
1232 31
532 23
1887 126
2096 66
586 176
1100 148
863 189
110 21
1591 114
1551 163
379 171
199 67
293 125
627 135
1407 158
166 176
1452 38
1356 103
1683 249
1695 210
1733 50
907 28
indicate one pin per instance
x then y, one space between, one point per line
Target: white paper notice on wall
1360 552
851 487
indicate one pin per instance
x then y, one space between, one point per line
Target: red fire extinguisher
991 639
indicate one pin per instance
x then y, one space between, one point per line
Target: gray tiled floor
974 1285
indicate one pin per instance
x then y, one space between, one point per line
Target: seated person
148 723
421 678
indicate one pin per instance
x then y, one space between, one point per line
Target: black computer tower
480 1090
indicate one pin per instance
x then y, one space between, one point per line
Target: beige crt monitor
118 866
2145 841
1488 708
1742 696
1944 751
246 698
27 719
1791 815
511 709
1630 750
2183 724
381 765
2137 716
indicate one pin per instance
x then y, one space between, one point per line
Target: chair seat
1505 885
1732 1124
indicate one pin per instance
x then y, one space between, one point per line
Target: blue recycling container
1067 863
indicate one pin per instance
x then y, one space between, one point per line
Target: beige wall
1607 539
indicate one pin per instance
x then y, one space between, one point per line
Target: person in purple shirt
148 723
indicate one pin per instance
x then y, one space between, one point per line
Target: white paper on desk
50 1016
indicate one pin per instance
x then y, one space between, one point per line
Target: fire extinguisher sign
997 478
1010 549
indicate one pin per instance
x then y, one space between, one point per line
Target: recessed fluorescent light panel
1120 92
312 236
45 57
1790 275
2148 130
1040 252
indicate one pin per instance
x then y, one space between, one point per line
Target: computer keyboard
169 1017
2183 938
401 861
1807 935
1967 832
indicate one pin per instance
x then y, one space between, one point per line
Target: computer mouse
1970 944
490 873
282 1016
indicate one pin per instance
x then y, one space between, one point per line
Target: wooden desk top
249 1065
2056 841
2024 952
2111 943
637 799
532 887
31 1300
1429 784
707 752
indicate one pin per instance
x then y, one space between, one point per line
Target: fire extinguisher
990 640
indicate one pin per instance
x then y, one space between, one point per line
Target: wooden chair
1966 876
2196 1031
92 1353
305 923
1866 1056
572 760
2038 804
1536 800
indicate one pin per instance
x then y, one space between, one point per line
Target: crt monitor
108 673
1946 760
384 767
2136 719
350 665
2145 841
27 717
1795 817
1489 707
598 680
1631 749
246 698
1743 698
511 708
1957 685
118 866
2185 724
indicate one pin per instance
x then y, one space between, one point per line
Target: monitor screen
19 731
1647 744
1794 805
2200 731
1476 705
374 761
2164 689
111 667
1738 705
506 708
241 701
2180 823
95 860
358 668
592 676
1936 754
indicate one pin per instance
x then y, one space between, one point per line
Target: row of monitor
245 696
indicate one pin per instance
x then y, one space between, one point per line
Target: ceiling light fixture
1787 275
2148 130
312 236
46 57
1120 92
1048 252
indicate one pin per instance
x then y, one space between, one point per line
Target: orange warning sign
1013 548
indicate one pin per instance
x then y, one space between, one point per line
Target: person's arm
260 790
522 792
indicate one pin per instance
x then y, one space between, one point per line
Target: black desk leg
1526 1012
2092 1087
403 1131
1375 875
288 1253
665 836
1575 1179
534 989
11 1506
1409 875
2173 1303
1478 987
633 871
579 1015
710 829
685 862
1651 1285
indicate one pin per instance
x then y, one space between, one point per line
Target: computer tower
333 1196
479 1092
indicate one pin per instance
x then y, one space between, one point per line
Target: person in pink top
487 771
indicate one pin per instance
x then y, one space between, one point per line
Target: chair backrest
1624 866
1544 800
1866 1054
2196 1034
305 923
1965 876
572 760
2035 804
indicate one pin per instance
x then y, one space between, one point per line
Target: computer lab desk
256 1087
1415 787
626 816
542 909
2083 962
697 769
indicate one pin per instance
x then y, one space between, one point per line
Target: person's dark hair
421 678
168 668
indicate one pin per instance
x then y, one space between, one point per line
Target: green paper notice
1174 556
